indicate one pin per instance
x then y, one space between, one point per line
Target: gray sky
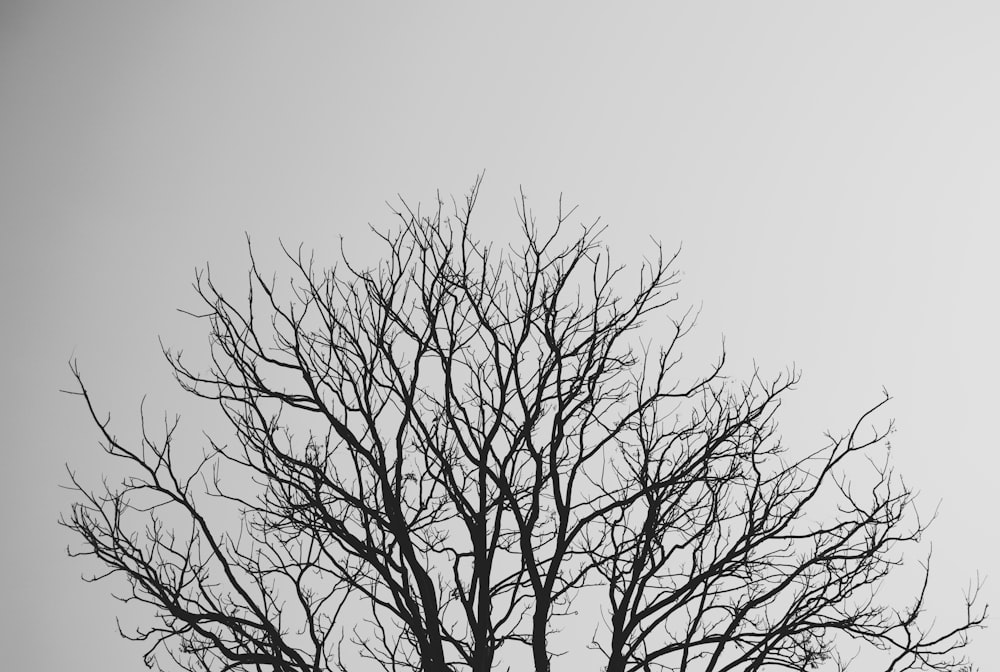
831 171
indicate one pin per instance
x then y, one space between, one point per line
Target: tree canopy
450 460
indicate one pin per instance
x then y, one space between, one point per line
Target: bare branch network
442 462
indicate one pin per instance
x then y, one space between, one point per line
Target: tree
441 461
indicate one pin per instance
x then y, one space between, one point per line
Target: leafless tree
437 463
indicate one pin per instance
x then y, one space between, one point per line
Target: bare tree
436 463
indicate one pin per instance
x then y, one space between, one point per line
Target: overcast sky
831 170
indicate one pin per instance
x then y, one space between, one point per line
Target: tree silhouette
437 463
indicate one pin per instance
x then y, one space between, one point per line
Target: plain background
831 170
